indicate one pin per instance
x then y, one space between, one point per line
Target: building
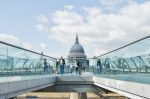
77 52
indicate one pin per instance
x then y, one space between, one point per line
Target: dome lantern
77 40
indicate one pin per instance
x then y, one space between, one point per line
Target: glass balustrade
129 63
17 63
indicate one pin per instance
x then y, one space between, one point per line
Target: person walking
57 67
79 65
45 67
107 66
99 66
71 68
62 65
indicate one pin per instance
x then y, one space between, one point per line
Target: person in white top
71 68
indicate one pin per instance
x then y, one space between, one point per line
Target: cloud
11 39
42 19
42 23
100 32
110 2
68 7
41 27
43 46
66 18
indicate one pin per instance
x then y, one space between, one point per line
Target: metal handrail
125 46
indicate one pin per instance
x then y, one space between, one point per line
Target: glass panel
3 63
128 63
34 64
51 65
21 64
16 60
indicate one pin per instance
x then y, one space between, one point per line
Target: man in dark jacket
99 66
57 66
62 65
79 64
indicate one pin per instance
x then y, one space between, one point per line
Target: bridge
128 74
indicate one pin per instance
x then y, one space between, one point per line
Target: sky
51 25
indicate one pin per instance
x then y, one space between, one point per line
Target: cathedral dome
77 48
77 51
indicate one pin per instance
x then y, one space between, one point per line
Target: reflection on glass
131 62
16 61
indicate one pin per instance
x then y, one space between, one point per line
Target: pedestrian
45 67
57 67
107 66
62 65
79 65
99 66
71 68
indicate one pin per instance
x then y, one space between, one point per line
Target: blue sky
21 19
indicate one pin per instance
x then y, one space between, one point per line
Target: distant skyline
51 25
